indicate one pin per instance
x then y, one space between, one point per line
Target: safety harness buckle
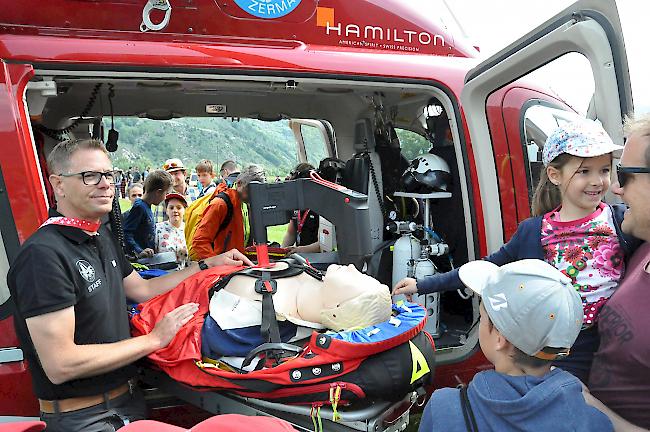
268 286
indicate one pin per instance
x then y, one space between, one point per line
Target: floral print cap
583 138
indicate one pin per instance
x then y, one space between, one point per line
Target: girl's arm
508 253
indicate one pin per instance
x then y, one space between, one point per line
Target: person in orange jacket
215 232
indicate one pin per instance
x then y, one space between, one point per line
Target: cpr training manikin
343 300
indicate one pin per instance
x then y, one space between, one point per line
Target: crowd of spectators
159 198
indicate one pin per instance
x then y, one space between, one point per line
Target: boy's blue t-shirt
501 402
139 228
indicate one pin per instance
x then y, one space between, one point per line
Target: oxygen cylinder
423 267
405 250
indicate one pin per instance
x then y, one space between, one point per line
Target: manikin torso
305 298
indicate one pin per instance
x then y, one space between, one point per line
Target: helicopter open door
589 27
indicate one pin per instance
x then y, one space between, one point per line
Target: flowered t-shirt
588 251
170 238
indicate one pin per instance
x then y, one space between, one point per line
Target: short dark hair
158 179
205 166
58 161
521 358
229 165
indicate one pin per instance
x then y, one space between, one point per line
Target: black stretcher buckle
266 286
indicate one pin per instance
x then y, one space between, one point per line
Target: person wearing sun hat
530 315
176 168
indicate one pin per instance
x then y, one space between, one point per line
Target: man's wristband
203 265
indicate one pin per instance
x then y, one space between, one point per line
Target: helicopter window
315 146
412 144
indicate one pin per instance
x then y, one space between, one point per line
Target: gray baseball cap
530 302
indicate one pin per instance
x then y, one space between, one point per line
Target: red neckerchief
73 222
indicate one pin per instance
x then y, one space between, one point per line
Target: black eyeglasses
623 173
92 178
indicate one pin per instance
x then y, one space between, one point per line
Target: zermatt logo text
268 9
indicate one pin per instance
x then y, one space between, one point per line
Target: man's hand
407 286
166 328
233 257
146 253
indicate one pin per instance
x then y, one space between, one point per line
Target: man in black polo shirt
70 282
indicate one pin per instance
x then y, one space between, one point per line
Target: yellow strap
320 421
316 420
335 396
208 362
247 227
312 414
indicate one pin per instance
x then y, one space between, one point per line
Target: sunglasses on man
624 173
172 165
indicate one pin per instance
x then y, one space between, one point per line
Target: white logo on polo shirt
498 302
86 270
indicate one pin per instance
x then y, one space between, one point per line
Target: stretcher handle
280 348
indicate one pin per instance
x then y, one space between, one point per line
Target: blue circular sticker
268 9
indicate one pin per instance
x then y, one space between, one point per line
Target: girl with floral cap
571 229
170 234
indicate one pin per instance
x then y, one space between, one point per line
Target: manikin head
351 299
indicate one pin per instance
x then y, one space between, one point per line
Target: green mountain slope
146 142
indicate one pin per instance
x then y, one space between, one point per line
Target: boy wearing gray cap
530 316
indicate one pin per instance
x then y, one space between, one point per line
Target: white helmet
427 173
